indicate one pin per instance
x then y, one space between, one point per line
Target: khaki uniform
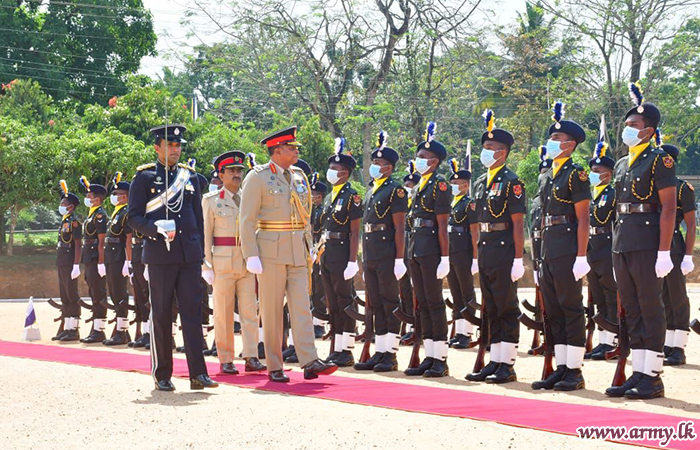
231 279
276 228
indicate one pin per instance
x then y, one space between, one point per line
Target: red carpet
537 414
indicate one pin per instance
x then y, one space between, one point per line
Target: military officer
318 192
224 267
342 213
601 281
410 181
68 263
463 229
675 295
165 204
645 181
384 221
428 250
500 205
139 281
93 258
276 243
118 259
536 216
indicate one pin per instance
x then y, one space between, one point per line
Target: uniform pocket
268 244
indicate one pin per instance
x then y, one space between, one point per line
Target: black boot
293 358
119 338
331 357
261 350
319 331
70 336
344 359
289 351
461 342
600 354
370 363
407 339
141 342
388 364
676 358
439 369
553 378
667 351
647 388
504 374
94 337
572 381
58 336
236 328
619 391
488 369
596 349
425 365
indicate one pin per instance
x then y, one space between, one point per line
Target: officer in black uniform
318 191
68 263
428 250
385 206
500 206
536 217
141 293
405 288
118 260
342 213
173 251
645 181
675 294
601 282
93 258
463 229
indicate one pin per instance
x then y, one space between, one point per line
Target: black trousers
406 290
461 282
166 281
428 291
68 289
116 285
141 295
383 289
640 296
206 312
500 296
563 301
317 290
339 294
675 297
603 287
97 289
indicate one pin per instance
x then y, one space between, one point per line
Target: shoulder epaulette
186 166
210 194
260 167
145 166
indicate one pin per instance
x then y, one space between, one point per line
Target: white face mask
422 165
375 171
114 199
87 202
554 149
332 176
630 136
213 188
456 190
487 157
595 178
63 210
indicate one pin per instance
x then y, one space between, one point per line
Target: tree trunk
14 215
2 230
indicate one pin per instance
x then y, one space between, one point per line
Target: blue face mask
213 188
375 171
422 165
595 178
630 136
487 157
456 190
554 149
62 210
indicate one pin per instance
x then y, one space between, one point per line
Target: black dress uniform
176 270
69 235
405 286
95 224
115 256
317 293
141 292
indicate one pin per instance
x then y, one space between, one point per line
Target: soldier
405 288
536 217
68 262
224 268
384 221
166 206
463 229
318 191
276 242
118 259
645 181
428 250
93 258
601 281
675 295
500 205
139 281
342 213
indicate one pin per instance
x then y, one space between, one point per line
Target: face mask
375 171
554 149
332 176
114 199
630 136
63 210
456 190
595 178
487 158
213 188
422 165
87 202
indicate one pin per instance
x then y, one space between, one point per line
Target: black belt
65 245
487 227
595 231
456 229
634 208
423 223
372 227
90 241
136 241
559 220
335 235
536 234
114 240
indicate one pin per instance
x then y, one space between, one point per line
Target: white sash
178 185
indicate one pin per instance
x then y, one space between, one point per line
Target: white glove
664 265
208 276
518 270
254 265
687 265
145 273
581 267
101 270
443 268
475 266
167 228
399 268
350 270
126 268
75 273
537 279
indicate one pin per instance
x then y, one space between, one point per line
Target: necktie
288 176
237 199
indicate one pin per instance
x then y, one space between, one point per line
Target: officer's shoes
553 378
388 364
647 388
289 351
437 370
58 336
488 369
228 368
504 374
201 382
424 366
676 358
141 342
261 350
319 331
331 357
461 342
344 359
370 363
600 354
70 336
619 391
317 367
180 349
119 338
596 349
253 364
165 385
94 337
278 376
572 381
292 359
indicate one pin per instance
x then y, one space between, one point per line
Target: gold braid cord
651 184
425 208
376 211
464 217
563 200
505 204
612 209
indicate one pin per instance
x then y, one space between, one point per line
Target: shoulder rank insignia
690 186
400 192
442 186
357 200
145 166
668 162
518 190
583 175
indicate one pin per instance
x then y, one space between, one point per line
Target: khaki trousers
228 286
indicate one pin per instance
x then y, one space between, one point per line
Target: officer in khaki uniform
224 267
276 242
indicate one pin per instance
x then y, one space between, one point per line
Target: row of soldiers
416 234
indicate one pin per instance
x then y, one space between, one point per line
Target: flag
601 134
469 155
195 108
30 318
